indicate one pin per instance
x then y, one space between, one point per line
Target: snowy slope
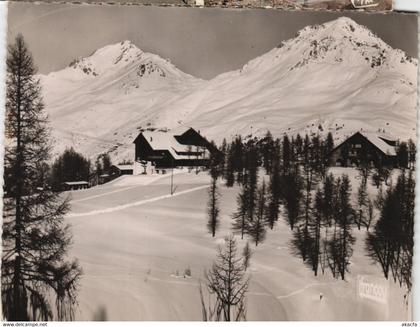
97 101
338 75
132 237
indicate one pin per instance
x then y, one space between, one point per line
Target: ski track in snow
300 290
107 185
137 203
103 194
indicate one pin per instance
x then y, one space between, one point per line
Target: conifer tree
70 166
298 144
251 180
402 155
344 153
344 246
230 167
240 217
98 166
246 199
287 156
315 226
333 250
35 238
267 151
327 147
361 205
411 154
328 212
256 228
216 159
274 195
238 158
364 165
310 166
391 242
213 206
317 156
370 214
381 243
222 164
106 162
329 143
376 179
379 200
329 190
247 253
240 221
406 246
293 196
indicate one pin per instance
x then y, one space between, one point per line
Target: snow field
131 259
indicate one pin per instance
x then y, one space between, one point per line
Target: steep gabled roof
166 141
377 140
163 141
181 130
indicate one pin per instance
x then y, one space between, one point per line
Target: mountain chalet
376 148
165 150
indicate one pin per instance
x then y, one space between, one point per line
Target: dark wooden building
118 170
165 150
77 185
370 147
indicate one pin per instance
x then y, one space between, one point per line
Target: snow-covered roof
124 167
377 141
76 183
164 141
167 141
180 130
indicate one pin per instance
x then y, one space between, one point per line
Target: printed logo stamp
375 289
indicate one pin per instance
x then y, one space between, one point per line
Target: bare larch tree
227 282
35 238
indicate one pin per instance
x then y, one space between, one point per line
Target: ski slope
134 258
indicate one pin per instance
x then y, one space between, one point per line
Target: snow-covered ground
134 241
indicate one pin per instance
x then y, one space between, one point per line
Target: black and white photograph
208 164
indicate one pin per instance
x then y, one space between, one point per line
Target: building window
357 146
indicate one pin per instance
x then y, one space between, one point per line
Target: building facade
123 169
375 149
187 148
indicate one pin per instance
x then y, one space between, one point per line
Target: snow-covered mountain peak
121 67
335 42
117 54
345 40
123 57
336 77
112 56
339 27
